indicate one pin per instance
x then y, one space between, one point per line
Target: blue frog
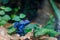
20 26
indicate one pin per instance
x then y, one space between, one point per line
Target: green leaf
41 32
6 17
2 22
2 12
49 25
22 15
44 31
8 9
16 18
0 18
11 30
53 33
27 30
2 7
31 26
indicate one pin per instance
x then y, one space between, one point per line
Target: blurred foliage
11 30
51 23
31 12
5 16
22 15
2 12
40 31
2 22
16 18
4 1
7 9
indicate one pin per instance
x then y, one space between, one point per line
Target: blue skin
20 26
